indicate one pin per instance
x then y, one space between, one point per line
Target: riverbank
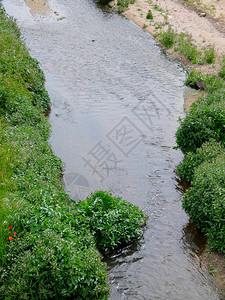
204 23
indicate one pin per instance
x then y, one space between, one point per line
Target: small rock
203 14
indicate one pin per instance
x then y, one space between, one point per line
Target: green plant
222 68
202 123
43 254
209 53
207 152
149 15
189 50
112 221
205 201
45 265
168 38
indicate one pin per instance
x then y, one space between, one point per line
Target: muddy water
115 103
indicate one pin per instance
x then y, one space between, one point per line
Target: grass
46 251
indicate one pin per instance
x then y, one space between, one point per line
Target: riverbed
116 100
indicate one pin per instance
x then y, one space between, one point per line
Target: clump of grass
222 68
149 15
209 54
168 38
123 4
189 50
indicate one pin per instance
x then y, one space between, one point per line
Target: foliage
222 68
212 83
149 15
43 265
168 38
112 221
102 1
202 123
189 50
205 201
124 3
209 54
43 254
209 151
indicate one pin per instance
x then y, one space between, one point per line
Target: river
116 99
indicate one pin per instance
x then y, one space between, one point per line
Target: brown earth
38 6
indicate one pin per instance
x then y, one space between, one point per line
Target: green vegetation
201 137
222 69
182 43
205 201
193 160
168 38
189 50
46 251
112 221
149 15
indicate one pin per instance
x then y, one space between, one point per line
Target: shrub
205 201
112 221
168 38
202 123
46 266
208 151
149 15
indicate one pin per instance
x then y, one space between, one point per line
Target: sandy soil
38 7
204 20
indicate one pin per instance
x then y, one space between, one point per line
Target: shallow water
115 103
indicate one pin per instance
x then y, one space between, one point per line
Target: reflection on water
115 104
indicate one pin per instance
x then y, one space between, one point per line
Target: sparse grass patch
168 38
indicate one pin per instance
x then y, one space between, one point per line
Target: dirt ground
38 6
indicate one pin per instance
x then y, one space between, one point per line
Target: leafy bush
208 151
205 201
202 123
44 265
112 221
168 38
44 255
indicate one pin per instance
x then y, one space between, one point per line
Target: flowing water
116 100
